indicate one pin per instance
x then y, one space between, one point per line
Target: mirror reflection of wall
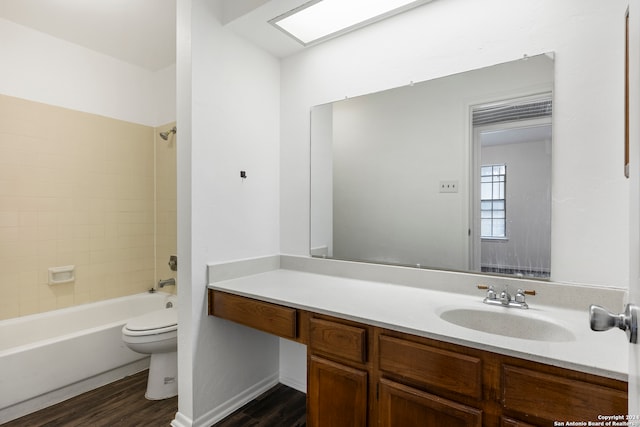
512 199
378 162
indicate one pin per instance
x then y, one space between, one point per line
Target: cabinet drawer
405 406
335 339
430 366
551 397
267 317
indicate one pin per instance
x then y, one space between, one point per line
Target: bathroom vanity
380 354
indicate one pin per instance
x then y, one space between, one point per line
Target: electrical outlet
448 186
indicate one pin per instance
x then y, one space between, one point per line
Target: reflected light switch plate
448 186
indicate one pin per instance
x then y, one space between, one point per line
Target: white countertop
416 311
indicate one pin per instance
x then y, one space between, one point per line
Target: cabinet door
403 406
337 395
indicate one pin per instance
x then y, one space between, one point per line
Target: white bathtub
47 358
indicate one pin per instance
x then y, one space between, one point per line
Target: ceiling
140 32
143 32
250 20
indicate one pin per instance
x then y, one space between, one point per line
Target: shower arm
165 135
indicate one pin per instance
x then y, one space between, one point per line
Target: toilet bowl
156 333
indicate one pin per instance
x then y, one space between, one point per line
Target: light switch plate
448 186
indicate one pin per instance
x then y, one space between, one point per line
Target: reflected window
493 216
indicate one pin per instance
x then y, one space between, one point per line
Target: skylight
319 20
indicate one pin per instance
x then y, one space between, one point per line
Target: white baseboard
181 420
236 402
294 383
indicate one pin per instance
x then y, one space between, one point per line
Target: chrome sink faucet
504 298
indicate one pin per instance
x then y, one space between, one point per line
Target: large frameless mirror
452 173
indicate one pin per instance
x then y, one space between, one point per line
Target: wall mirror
452 173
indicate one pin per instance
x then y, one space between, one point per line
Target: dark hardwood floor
122 403
279 407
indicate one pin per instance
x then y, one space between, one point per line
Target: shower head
165 135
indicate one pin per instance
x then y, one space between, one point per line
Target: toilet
156 333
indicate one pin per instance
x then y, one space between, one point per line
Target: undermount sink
508 324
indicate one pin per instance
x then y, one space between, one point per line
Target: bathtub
49 357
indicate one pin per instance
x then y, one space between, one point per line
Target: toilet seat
152 323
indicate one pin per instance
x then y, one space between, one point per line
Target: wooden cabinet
423 379
339 373
501 391
361 375
336 394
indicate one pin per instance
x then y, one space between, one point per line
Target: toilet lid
159 319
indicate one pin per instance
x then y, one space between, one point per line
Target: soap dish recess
64 274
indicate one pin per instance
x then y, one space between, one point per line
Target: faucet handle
173 262
491 293
520 295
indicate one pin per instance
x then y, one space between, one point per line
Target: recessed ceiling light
319 20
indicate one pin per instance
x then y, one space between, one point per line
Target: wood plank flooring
122 404
279 407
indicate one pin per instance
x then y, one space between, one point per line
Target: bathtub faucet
166 282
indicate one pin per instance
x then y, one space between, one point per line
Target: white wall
228 118
164 96
42 68
590 194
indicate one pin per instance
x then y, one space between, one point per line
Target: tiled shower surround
85 190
